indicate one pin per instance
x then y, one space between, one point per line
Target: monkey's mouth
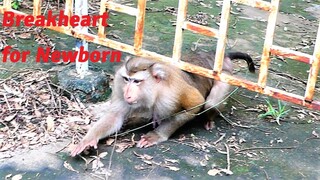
132 103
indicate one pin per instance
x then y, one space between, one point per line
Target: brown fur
155 90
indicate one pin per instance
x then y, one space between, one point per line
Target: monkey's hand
83 145
209 125
150 139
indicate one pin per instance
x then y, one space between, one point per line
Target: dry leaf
44 96
37 113
17 177
50 123
75 106
144 156
203 162
103 154
123 146
69 167
24 35
228 172
171 160
147 162
75 119
172 168
140 167
7 89
214 172
96 164
8 176
9 118
315 134
109 141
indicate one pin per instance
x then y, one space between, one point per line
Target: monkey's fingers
82 146
209 125
142 143
93 143
147 141
78 149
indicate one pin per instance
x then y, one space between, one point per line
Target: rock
93 87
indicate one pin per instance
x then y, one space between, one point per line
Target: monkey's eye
136 81
125 79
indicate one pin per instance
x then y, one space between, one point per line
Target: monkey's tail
244 56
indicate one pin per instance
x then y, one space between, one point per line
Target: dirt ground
241 146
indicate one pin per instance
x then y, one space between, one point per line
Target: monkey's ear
127 58
158 72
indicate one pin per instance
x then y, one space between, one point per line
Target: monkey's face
137 89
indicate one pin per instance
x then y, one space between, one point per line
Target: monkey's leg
215 100
190 100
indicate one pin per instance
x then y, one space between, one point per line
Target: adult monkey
157 90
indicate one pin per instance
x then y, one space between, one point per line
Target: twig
26 70
265 173
95 175
239 125
47 6
60 109
191 145
111 155
257 148
52 95
5 98
71 94
221 137
221 152
5 69
153 168
132 130
64 147
310 139
239 102
228 157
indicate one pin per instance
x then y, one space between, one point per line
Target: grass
275 113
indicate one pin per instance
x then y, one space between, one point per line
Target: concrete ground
246 147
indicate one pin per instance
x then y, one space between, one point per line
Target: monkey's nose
131 101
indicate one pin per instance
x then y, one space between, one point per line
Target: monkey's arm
107 125
192 102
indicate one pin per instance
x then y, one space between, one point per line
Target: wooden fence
221 34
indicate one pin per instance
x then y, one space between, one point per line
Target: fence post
314 70
81 8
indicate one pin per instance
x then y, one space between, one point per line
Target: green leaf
269 113
15 5
279 105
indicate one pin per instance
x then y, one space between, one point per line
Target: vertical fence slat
68 10
81 8
36 7
101 29
314 69
7 4
181 17
222 37
265 59
138 36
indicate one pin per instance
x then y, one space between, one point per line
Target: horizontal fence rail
221 34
